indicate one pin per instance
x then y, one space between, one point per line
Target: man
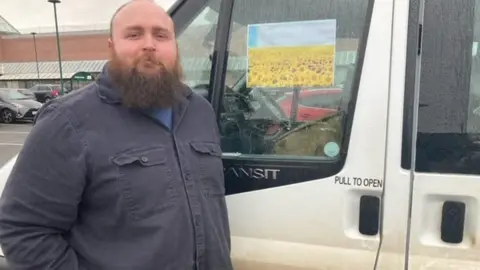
125 174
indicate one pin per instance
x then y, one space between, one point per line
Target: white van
390 181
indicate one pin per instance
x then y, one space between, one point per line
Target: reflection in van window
449 113
290 91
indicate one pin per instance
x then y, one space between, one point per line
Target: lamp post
55 2
36 55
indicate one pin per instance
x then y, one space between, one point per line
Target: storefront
81 79
75 74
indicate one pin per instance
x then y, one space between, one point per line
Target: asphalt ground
12 137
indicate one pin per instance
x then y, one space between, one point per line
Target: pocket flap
207 148
145 157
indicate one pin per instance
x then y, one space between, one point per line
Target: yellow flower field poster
291 54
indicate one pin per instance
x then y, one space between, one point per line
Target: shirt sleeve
40 200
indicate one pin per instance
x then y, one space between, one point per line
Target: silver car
16 106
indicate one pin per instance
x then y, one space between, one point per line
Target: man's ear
110 43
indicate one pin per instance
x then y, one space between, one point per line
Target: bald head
139 4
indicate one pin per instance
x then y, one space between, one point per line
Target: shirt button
144 159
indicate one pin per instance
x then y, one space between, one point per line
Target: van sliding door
446 173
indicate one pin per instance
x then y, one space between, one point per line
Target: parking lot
12 137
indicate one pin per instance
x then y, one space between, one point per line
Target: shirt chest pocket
146 181
208 167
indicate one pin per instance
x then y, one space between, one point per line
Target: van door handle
452 222
369 216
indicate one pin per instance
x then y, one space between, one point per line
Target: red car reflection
312 104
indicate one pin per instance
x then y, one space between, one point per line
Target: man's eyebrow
140 28
161 29
134 27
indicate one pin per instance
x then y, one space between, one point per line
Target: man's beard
141 90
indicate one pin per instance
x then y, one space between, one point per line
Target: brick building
84 54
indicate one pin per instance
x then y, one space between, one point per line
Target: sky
72 14
304 33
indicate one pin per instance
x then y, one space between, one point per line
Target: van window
195 47
448 132
266 134
286 48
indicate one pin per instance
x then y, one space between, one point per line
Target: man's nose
149 44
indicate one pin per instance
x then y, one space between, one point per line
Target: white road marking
14 132
14 125
11 144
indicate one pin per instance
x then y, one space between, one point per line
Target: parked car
312 104
46 92
27 93
16 106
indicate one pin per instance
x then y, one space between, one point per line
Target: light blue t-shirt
164 116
